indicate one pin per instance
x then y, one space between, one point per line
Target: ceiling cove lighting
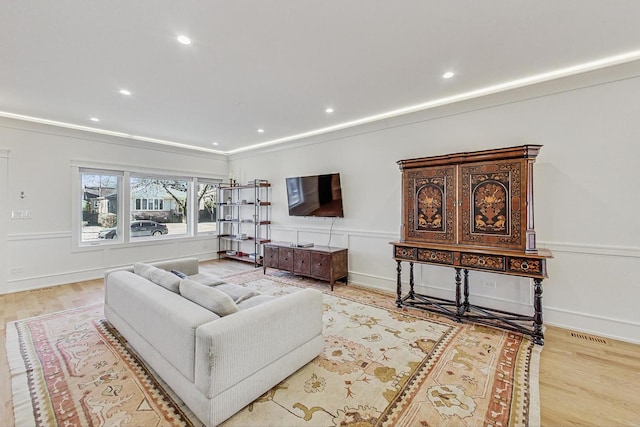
125 92
448 75
183 40
484 91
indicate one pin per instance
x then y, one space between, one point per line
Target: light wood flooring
584 380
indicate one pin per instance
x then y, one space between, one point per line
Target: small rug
380 366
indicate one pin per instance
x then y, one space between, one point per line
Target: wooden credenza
472 211
320 262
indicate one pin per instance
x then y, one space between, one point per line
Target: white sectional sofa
216 365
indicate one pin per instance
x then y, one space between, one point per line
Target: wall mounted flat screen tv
316 195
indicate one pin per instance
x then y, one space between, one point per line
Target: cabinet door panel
429 209
494 198
321 265
285 259
271 256
301 262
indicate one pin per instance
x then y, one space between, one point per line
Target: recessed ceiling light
329 110
448 75
184 39
260 130
214 143
125 92
94 119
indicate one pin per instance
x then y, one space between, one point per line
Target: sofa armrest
234 347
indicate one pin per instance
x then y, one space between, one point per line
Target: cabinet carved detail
439 257
482 261
431 197
406 253
525 265
491 199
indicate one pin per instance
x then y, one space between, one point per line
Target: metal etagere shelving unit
244 220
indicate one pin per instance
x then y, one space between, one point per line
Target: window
148 204
163 201
157 207
206 202
100 196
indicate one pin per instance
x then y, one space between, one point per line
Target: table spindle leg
459 306
466 290
399 284
538 335
412 294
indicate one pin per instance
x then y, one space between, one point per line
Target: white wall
38 161
586 197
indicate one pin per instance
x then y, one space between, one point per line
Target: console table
504 262
472 211
320 262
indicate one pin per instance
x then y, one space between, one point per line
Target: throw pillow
208 297
158 276
144 270
180 274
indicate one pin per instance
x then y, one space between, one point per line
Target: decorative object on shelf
472 211
320 262
244 221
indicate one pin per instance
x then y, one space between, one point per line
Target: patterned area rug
380 366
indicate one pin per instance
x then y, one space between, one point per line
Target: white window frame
77 197
125 172
189 182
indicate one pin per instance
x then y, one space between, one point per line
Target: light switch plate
20 214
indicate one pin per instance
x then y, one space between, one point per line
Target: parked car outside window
138 229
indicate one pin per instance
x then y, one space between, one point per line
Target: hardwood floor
584 380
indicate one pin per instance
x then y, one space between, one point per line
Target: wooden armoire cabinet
472 211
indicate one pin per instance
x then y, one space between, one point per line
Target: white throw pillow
158 276
208 297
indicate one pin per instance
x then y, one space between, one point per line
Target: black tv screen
316 195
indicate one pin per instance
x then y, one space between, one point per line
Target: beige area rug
380 366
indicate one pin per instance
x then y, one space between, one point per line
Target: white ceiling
278 64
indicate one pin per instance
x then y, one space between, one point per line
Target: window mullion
124 227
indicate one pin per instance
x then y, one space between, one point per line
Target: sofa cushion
236 292
254 301
206 279
208 297
158 276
